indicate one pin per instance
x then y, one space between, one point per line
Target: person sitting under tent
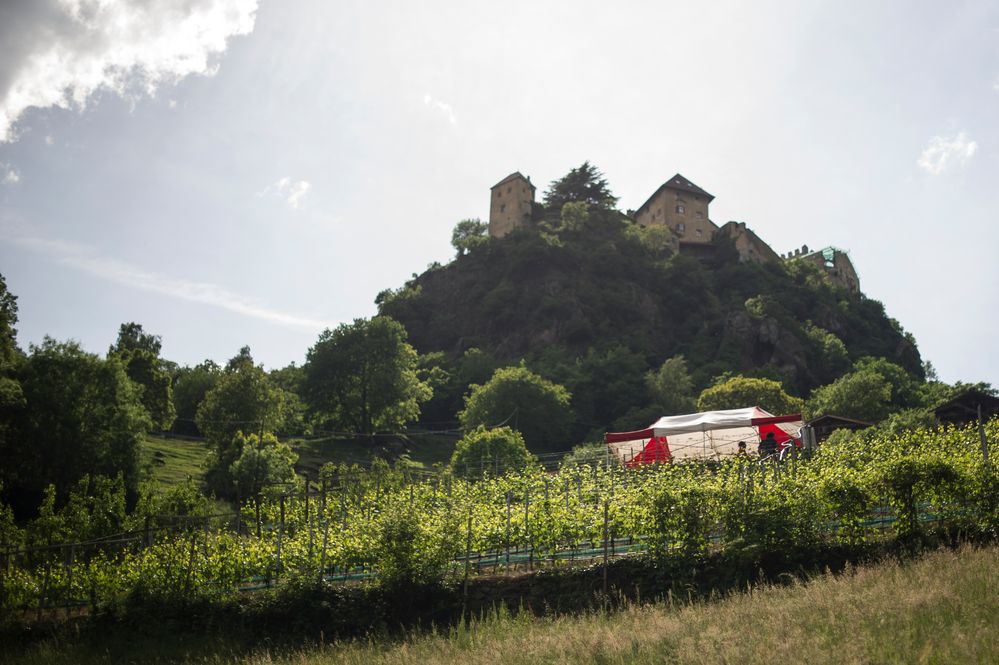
768 446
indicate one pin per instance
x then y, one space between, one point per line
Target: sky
250 172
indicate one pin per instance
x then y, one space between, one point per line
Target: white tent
705 435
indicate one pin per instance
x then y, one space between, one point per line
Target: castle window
509 189
679 209
502 207
680 227
698 233
700 215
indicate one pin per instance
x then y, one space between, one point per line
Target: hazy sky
231 172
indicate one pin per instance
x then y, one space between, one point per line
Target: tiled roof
679 183
513 176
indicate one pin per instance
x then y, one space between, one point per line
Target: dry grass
943 608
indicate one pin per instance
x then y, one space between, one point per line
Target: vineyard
395 525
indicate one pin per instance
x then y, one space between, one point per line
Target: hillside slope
561 300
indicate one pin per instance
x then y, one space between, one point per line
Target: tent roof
704 422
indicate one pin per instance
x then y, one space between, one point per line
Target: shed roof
964 407
828 419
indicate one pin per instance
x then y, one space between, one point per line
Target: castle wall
834 262
749 245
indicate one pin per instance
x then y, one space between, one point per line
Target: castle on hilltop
682 207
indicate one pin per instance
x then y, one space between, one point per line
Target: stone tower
510 204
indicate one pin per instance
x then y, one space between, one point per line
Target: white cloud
946 152
58 53
443 107
11 176
83 258
49 140
995 84
291 192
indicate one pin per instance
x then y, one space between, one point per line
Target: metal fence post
606 532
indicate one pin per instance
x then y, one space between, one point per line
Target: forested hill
596 298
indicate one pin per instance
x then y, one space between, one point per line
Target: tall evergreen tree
584 184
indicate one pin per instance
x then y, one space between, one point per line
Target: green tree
82 415
490 450
243 400
574 216
862 395
260 463
740 391
131 337
8 333
584 184
139 352
190 385
290 380
604 385
671 387
833 357
11 537
906 390
363 377
874 389
469 233
11 396
532 405
96 507
657 239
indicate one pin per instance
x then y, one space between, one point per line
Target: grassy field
423 451
942 608
173 461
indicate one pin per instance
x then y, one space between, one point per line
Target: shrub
483 450
412 551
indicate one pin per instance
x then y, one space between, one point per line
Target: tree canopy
363 377
530 404
490 451
740 391
190 385
261 463
81 415
8 319
671 387
242 400
11 395
873 390
469 233
131 337
139 352
583 184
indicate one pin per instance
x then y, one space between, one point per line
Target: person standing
768 446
